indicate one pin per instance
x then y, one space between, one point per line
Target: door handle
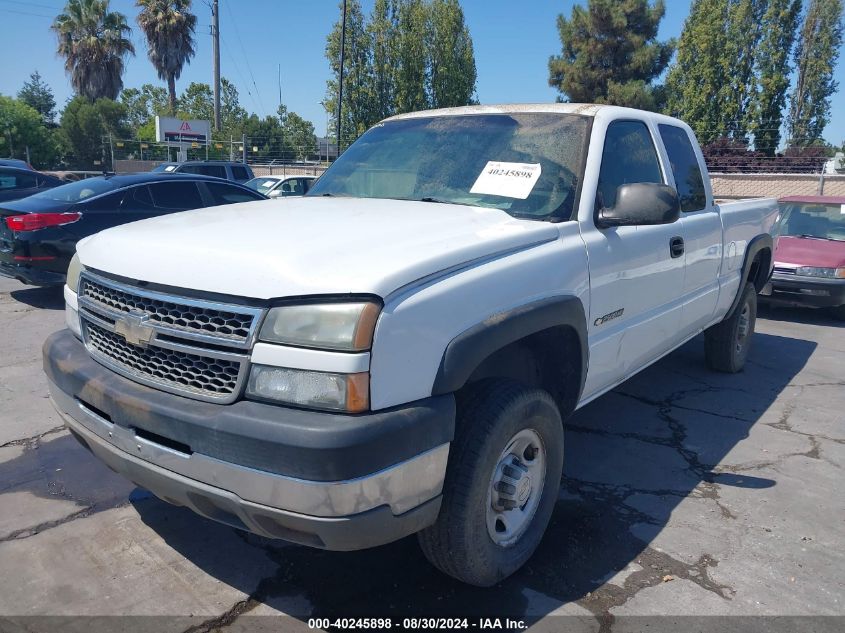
676 247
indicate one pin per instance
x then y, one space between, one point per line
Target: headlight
338 392
813 271
333 326
73 271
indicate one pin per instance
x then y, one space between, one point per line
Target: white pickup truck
397 351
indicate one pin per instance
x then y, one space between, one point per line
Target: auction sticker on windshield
512 180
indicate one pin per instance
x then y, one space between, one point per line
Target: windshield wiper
819 237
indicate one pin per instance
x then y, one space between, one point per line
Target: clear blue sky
512 45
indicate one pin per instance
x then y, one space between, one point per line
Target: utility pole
215 39
340 83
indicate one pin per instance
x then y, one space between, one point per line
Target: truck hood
308 246
810 252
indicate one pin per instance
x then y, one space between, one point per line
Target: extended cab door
636 272
702 227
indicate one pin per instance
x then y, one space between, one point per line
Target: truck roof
586 109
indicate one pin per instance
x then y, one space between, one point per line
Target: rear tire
726 344
501 485
838 312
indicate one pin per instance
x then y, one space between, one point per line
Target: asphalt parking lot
685 493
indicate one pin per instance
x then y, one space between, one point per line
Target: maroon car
810 254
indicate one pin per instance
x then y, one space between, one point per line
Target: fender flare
759 243
471 347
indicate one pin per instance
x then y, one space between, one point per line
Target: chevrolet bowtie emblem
131 326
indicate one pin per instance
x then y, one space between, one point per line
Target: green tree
611 53
299 136
697 77
142 105
382 34
22 127
267 135
38 95
779 25
452 73
197 102
86 127
412 26
94 42
737 95
815 58
169 28
357 112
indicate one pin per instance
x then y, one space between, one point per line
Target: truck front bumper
332 481
814 292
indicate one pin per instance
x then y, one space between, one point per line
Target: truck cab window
629 156
688 180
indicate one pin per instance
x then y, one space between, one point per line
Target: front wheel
726 344
501 483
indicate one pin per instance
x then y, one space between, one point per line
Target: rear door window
240 173
218 171
13 179
688 179
227 194
109 203
629 157
176 195
139 200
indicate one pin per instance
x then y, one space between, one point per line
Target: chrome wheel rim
743 327
516 487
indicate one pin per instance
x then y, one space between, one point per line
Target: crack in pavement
32 442
657 568
708 488
48 525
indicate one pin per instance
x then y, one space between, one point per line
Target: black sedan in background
18 182
38 234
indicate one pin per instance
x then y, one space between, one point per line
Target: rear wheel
501 484
726 344
839 312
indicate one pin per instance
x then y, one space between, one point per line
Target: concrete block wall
736 186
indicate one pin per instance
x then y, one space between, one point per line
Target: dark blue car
38 234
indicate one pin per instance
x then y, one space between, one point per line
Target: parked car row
810 254
38 234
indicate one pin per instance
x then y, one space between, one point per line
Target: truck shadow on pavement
632 457
45 297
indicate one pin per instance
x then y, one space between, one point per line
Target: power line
37 15
238 70
246 57
33 4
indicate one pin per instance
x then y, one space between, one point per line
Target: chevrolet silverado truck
397 351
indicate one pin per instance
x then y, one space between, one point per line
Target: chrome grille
197 318
180 370
191 347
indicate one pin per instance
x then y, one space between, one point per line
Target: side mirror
641 203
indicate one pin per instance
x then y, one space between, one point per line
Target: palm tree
169 28
94 42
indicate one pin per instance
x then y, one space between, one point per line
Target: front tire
726 344
501 485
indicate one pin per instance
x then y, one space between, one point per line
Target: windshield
79 190
262 185
525 164
823 221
